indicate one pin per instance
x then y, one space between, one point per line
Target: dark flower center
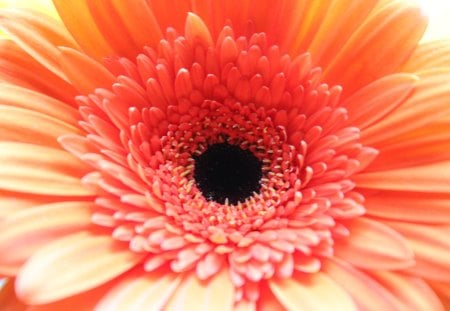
226 171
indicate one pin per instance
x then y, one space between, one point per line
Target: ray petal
85 73
8 298
85 301
175 17
427 104
26 131
140 290
112 27
369 295
422 146
416 207
12 95
25 232
386 35
376 100
38 34
216 293
431 247
137 15
412 292
41 170
13 202
372 245
430 178
19 68
316 292
429 55
79 21
71 265
340 22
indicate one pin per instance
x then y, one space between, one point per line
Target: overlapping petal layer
88 216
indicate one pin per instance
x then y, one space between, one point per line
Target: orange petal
381 45
424 145
429 55
86 301
8 299
196 30
441 287
26 131
431 247
37 34
368 294
80 23
245 305
112 28
315 292
379 98
192 294
372 245
427 104
267 300
44 6
408 206
426 178
72 265
40 170
13 202
310 17
85 73
24 232
17 67
139 290
137 16
412 292
175 17
12 95
340 22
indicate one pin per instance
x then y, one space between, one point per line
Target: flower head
224 155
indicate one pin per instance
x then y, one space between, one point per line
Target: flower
224 155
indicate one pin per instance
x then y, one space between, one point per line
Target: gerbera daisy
224 155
